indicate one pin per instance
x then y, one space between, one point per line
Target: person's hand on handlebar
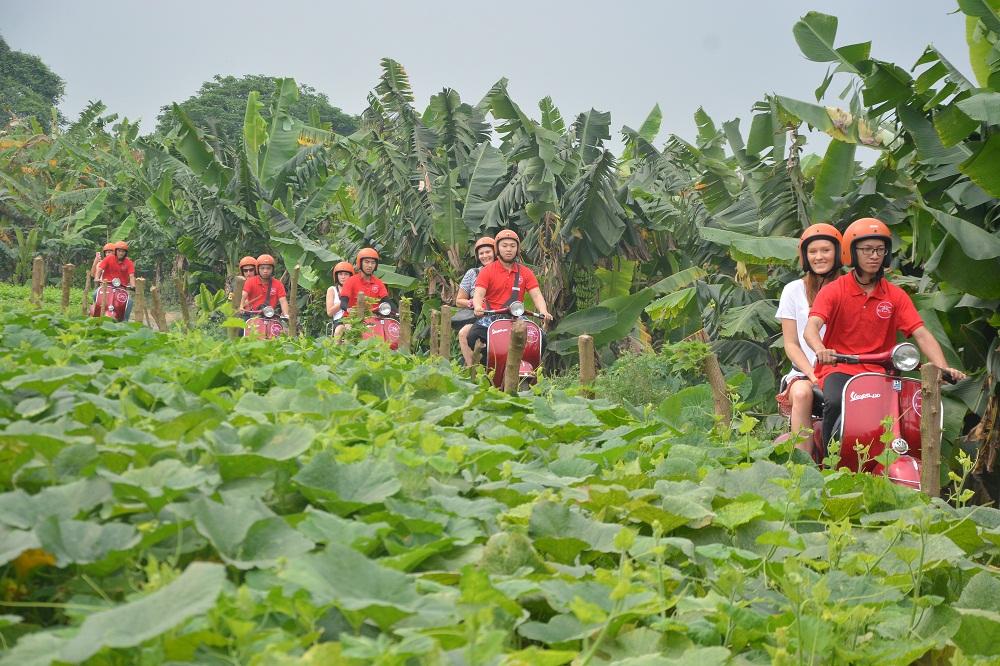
827 356
952 375
479 312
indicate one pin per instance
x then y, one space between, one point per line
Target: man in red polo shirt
863 313
362 282
117 265
263 289
496 288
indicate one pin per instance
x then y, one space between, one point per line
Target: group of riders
825 313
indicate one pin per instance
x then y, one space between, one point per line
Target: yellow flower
31 559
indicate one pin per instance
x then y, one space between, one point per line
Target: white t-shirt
336 299
794 305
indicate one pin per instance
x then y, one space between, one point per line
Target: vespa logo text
863 396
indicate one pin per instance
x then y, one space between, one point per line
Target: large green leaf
592 129
486 166
198 154
283 135
835 176
349 487
754 249
594 220
976 242
754 321
247 534
254 132
679 280
616 281
815 34
982 166
589 321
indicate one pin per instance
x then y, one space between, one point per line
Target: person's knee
801 393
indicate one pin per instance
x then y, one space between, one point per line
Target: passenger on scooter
341 272
263 289
248 268
863 312
485 251
118 265
500 284
362 282
819 257
108 250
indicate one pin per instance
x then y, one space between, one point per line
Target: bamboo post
444 330
435 333
181 281
477 359
293 302
405 326
158 315
361 308
930 430
235 299
67 279
87 303
140 301
720 392
585 345
104 295
37 280
511 372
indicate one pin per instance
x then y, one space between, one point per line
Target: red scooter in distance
384 323
112 300
264 323
870 397
498 344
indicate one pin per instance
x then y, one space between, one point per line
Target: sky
621 57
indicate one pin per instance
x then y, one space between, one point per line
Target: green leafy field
181 499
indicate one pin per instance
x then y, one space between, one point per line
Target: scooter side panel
867 399
264 328
385 328
117 302
497 345
910 409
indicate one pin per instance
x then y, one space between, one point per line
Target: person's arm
539 301
463 300
932 350
131 277
815 342
244 300
283 302
477 300
332 304
790 335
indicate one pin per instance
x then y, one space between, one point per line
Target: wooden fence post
405 325
477 359
87 303
511 372
444 330
158 315
930 430
435 333
140 301
181 281
37 280
585 345
104 294
234 300
720 391
293 302
67 278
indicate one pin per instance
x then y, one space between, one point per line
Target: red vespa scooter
498 344
870 397
264 323
112 300
384 323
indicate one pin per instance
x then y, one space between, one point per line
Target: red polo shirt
860 323
114 269
254 289
498 280
374 289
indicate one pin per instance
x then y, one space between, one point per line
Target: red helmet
121 245
265 259
367 253
866 227
109 246
342 267
820 231
248 261
507 233
485 241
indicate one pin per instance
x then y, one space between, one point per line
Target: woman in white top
819 256
340 272
485 251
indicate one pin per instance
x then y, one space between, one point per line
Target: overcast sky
621 57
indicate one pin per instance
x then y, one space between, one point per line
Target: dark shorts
477 332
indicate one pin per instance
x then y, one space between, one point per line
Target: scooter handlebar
526 313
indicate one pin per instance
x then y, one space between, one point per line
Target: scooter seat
818 402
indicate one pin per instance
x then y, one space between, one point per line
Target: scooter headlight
268 312
517 308
384 309
905 357
116 282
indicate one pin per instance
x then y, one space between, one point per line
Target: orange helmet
820 231
367 253
265 259
342 267
109 246
121 245
507 233
248 261
865 227
484 242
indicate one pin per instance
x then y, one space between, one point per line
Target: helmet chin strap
878 276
